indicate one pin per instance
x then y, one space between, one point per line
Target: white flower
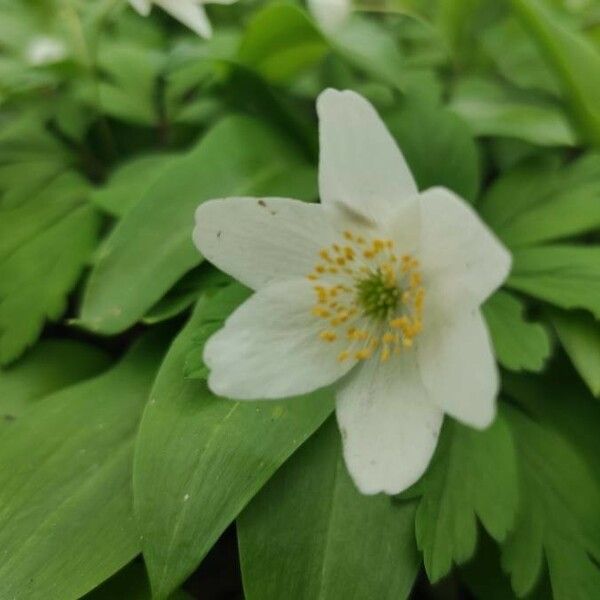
330 14
45 50
189 12
378 287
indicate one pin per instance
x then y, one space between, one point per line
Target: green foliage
519 344
212 317
45 242
491 109
437 146
553 522
52 365
199 460
310 534
113 129
533 204
129 183
281 42
567 276
574 61
69 482
473 475
579 333
151 247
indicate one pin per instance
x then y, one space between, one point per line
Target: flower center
368 297
377 296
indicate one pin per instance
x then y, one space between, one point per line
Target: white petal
270 347
458 368
463 261
190 13
360 164
142 6
330 13
389 429
258 240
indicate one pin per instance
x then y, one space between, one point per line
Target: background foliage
120 470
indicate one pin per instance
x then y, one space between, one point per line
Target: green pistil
376 296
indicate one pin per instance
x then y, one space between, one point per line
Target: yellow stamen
328 336
342 356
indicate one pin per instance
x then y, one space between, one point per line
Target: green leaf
487 581
558 516
310 533
579 334
200 281
200 459
534 204
574 61
151 247
437 145
130 583
44 244
128 184
493 110
473 475
50 366
519 344
281 42
517 56
371 48
560 400
67 513
131 71
214 312
565 275
30 158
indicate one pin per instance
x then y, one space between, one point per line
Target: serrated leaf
131 73
558 516
518 343
574 61
199 459
67 522
534 204
493 110
560 400
50 366
487 581
309 534
437 145
567 276
44 245
30 158
151 247
473 476
579 334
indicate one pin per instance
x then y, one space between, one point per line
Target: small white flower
45 50
189 12
379 286
330 14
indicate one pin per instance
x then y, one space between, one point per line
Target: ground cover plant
163 434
